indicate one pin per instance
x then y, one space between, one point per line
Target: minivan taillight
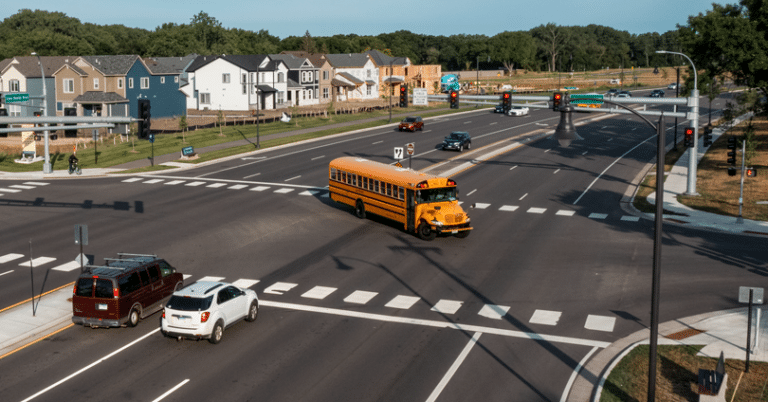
204 316
116 292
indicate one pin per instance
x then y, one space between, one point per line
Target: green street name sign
13 98
586 98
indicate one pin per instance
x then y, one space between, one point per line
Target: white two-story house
356 76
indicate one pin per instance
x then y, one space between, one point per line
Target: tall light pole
47 163
693 103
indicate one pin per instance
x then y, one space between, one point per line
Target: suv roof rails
89 267
120 255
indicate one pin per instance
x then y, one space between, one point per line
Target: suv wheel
253 312
461 148
133 317
217 333
469 145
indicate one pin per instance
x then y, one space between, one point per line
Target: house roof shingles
112 65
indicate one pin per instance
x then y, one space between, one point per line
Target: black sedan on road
657 93
458 140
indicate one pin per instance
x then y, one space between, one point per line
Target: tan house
325 72
399 70
94 85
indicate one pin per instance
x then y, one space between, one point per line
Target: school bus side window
389 189
333 174
401 194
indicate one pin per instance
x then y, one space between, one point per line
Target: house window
176 79
243 78
225 78
280 98
144 82
119 83
279 77
368 73
325 93
69 85
368 90
13 86
325 75
130 83
309 94
205 98
162 80
303 94
95 83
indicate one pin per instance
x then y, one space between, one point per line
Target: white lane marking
556 171
195 183
403 302
576 370
318 157
595 215
296 177
493 311
438 324
65 379
35 183
534 210
360 297
153 181
454 367
584 153
308 192
249 176
630 218
216 185
67 267
133 179
279 288
174 182
318 292
10 190
245 283
481 205
248 182
467 122
545 317
21 186
564 212
524 195
548 150
600 323
10 257
252 158
284 190
471 192
37 261
170 391
237 187
509 208
609 166
495 122
513 167
6 272
210 279
428 131
377 142
259 188
447 306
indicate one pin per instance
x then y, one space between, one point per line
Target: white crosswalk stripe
508 208
216 185
403 302
545 317
564 212
260 188
481 205
318 292
237 187
10 257
533 210
597 216
35 183
360 297
67 267
447 306
21 186
308 192
284 190
10 190
630 218
174 182
245 283
36 262
211 279
195 183
493 311
153 181
600 323
132 179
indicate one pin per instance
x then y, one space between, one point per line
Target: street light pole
47 163
693 102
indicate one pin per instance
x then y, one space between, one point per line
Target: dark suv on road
123 290
458 140
657 93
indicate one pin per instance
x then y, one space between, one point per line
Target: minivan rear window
104 289
189 303
84 287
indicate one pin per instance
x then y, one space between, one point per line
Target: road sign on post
13 98
410 148
398 153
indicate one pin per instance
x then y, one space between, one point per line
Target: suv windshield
454 136
189 303
436 195
409 120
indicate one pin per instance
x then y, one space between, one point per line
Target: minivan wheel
133 318
253 312
217 333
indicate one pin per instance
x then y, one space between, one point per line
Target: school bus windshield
436 195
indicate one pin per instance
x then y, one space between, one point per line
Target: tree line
548 47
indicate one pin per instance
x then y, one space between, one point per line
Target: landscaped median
112 151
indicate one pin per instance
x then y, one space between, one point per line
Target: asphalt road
358 309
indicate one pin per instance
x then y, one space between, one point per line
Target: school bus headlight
437 223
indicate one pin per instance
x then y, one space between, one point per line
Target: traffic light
506 101
751 172
454 99
707 136
732 156
70 111
557 99
688 137
144 115
3 113
403 95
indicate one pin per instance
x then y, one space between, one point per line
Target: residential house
356 76
324 71
103 91
23 75
157 79
177 65
399 70
237 82
303 80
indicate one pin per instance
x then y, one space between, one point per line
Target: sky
343 17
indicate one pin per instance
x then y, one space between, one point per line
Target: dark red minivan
123 290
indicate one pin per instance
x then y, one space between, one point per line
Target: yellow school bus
425 204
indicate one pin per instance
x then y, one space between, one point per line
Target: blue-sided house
157 79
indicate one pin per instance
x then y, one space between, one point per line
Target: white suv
204 309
